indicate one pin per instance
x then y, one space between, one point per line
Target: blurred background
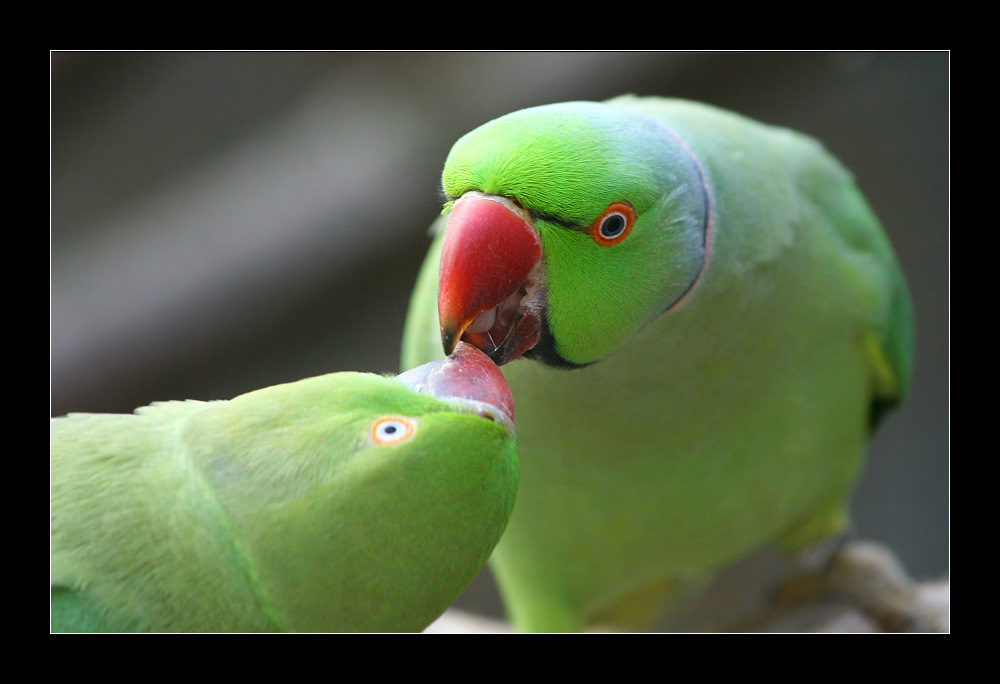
224 221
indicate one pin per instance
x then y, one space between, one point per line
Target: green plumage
703 388
345 502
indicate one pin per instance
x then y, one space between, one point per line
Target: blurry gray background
225 221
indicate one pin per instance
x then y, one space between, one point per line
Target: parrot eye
392 430
613 224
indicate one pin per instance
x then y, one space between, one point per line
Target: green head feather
567 163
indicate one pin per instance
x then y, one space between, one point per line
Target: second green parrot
701 321
345 502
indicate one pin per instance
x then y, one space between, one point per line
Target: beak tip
450 337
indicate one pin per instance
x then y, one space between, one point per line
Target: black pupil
389 429
612 225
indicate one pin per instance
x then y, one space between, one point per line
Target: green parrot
701 321
344 502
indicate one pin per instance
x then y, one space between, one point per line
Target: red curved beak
490 249
469 377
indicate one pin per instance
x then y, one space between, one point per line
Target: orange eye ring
392 430
613 225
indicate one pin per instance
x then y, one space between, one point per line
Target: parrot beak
467 377
489 283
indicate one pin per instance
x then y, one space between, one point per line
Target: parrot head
389 495
569 228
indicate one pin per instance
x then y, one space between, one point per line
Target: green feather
734 348
278 510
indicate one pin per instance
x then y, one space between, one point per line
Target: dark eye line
535 215
548 218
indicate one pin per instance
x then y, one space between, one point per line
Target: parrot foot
868 577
